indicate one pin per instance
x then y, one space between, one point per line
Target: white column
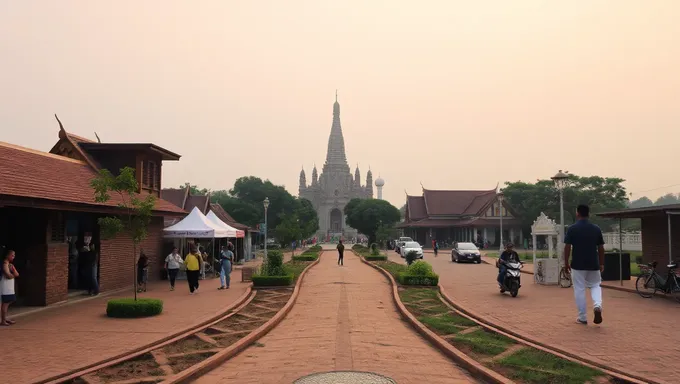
512 235
484 235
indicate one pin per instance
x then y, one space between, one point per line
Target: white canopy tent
196 225
231 231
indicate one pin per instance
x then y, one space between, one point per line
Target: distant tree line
645 201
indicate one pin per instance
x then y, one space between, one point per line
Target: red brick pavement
59 339
637 335
344 319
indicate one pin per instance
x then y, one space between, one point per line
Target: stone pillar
484 234
512 235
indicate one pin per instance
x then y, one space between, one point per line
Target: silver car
412 246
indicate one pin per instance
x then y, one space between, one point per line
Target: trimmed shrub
128 308
306 257
375 258
375 251
410 257
357 247
420 268
274 264
405 279
272 281
315 248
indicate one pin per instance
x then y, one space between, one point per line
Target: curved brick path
638 335
344 319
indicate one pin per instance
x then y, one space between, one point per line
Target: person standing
585 243
226 259
142 271
341 251
7 295
172 264
193 263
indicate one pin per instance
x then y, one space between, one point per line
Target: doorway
336 220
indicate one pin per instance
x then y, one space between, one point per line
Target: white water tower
379 182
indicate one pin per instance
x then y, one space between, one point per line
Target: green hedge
406 279
272 281
129 308
306 257
375 258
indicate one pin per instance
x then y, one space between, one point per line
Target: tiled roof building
451 215
48 215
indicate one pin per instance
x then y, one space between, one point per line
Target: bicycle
565 278
649 279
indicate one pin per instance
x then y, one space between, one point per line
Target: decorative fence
631 241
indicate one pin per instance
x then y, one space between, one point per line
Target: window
150 178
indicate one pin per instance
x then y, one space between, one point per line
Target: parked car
466 252
401 242
411 246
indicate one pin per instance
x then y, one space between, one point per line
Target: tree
309 220
667 199
288 230
137 211
601 194
642 202
402 210
384 234
368 215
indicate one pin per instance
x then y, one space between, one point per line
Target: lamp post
560 180
266 205
500 212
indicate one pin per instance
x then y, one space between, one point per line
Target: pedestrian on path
142 271
226 259
341 250
585 243
7 276
172 263
193 263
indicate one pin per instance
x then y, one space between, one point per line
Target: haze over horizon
453 94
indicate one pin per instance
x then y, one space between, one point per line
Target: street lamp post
560 180
266 205
500 212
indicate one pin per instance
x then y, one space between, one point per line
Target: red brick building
449 215
660 230
48 210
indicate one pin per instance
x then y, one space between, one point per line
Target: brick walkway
60 339
634 336
344 319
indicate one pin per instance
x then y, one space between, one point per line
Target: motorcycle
511 280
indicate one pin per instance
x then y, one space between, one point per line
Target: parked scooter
511 280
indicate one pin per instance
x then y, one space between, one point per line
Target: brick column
56 273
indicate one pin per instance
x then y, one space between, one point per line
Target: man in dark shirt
508 254
585 244
341 251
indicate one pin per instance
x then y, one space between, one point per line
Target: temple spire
336 143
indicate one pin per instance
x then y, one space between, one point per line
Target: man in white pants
585 244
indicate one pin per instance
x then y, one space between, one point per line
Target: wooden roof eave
30 202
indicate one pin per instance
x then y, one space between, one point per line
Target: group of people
584 247
192 263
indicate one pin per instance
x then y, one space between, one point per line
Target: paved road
344 319
638 335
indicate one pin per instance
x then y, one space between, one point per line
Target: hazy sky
453 94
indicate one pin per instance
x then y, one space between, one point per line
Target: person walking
585 243
226 260
172 263
7 295
193 263
142 271
341 250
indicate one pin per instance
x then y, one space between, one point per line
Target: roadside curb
475 368
527 340
212 362
74 373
